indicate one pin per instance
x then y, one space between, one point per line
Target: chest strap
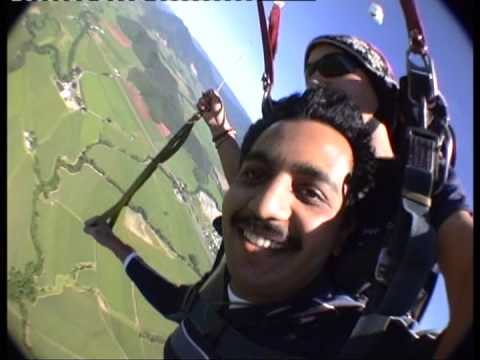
228 343
203 331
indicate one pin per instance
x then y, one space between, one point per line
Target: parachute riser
425 151
426 154
424 109
269 36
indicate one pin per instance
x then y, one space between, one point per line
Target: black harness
406 269
426 154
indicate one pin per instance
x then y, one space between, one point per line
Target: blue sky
229 32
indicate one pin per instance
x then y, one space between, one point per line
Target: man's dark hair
336 110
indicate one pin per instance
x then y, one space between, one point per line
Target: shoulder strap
213 289
201 312
211 286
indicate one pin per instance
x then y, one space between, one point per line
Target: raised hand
213 111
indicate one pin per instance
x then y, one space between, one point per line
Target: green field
105 98
118 56
112 283
90 58
85 193
87 278
87 335
81 129
15 326
38 78
60 231
134 145
16 156
19 216
69 297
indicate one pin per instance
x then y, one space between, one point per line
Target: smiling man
282 217
285 218
357 68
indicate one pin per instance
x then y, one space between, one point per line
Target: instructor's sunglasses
332 65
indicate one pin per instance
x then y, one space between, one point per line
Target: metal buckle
422 80
267 84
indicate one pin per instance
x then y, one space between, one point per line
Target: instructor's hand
213 111
101 232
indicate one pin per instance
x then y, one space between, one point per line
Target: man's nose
274 200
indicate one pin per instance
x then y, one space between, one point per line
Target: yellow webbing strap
111 215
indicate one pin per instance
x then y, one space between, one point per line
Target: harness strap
201 317
414 26
411 252
440 125
269 42
183 346
111 215
391 339
415 266
267 49
425 294
191 341
414 254
200 310
273 29
228 342
213 288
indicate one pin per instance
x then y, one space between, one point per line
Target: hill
187 48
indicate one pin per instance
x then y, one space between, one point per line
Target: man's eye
251 175
311 195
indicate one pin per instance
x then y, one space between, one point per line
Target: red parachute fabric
273 28
269 38
414 25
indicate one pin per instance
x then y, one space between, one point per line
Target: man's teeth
261 241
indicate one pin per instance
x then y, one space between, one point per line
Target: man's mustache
266 229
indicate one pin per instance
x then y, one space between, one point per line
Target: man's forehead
305 169
302 144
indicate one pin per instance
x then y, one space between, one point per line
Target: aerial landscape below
95 90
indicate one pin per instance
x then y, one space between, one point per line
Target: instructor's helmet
375 66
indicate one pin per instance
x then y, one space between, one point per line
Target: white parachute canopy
376 12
